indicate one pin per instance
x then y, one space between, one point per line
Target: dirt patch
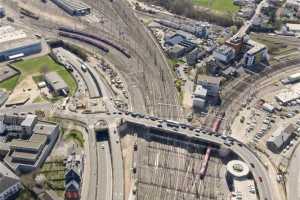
127 144
25 87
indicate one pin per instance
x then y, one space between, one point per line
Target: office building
16 44
224 53
212 84
31 141
9 183
256 54
74 8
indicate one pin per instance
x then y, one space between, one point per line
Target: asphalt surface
293 177
264 186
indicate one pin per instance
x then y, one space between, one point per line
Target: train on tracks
124 51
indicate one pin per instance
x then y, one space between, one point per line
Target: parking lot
255 124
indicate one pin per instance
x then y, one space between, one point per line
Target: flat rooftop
74 5
210 79
35 142
11 38
256 47
25 155
55 81
44 129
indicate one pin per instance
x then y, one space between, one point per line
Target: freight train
85 39
98 38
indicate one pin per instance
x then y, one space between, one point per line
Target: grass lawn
76 136
218 5
44 64
55 173
10 84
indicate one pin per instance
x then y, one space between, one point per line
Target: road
264 187
293 177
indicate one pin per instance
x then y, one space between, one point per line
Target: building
212 84
280 138
242 185
224 53
56 84
295 28
193 57
74 8
173 40
293 4
268 107
256 54
176 51
236 43
9 183
199 97
15 44
31 141
73 176
293 78
2 11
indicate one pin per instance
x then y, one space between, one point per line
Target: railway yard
168 170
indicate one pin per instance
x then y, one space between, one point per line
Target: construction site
169 168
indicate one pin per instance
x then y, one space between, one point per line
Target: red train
205 162
217 122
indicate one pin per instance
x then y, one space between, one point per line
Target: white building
294 4
224 53
9 183
212 84
293 27
268 107
257 52
199 97
280 138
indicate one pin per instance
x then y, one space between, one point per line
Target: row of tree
186 8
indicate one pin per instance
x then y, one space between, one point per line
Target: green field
38 66
218 5
76 136
10 84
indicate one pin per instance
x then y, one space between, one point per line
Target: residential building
56 84
280 138
9 183
73 176
15 44
212 84
224 53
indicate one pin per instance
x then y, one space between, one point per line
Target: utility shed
56 84
280 138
